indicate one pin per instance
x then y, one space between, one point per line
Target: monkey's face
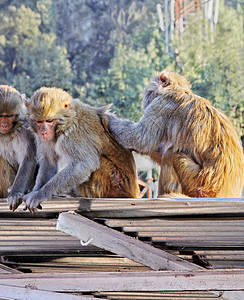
12 109
7 122
163 83
49 111
46 129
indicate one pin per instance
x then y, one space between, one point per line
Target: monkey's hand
32 201
14 200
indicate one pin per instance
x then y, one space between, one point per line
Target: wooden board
116 242
183 295
182 232
195 280
133 207
26 293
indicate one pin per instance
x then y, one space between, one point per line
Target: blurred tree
114 48
29 57
216 69
138 55
130 71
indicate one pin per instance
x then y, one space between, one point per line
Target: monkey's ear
27 102
164 80
23 96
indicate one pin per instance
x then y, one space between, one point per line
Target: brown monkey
195 144
17 147
76 150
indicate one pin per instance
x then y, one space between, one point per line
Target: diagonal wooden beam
117 242
4 269
27 293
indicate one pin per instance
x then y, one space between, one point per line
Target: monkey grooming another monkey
194 143
17 148
76 150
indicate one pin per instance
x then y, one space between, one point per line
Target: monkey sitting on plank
17 148
76 150
194 143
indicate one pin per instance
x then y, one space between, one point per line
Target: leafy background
106 52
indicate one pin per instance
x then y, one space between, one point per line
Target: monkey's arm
46 171
143 137
24 179
73 175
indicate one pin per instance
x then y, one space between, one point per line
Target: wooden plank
6 270
134 207
174 222
216 236
211 229
81 262
183 295
149 208
27 293
116 242
197 280
184 242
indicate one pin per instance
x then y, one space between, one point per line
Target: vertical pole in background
205 19
216 13
181 18
166 12
172 20
210 18
160 16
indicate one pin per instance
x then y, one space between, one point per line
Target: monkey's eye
50 120
8 116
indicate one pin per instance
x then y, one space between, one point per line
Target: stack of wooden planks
136 249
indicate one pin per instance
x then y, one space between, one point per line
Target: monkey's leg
7 175
180 175
188 172
168 179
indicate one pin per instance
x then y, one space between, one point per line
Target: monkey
76 151
195 144
17 148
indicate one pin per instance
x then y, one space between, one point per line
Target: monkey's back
117 175
207 135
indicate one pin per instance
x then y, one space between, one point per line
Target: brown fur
7 175
82 155
17 149
116 176
195 143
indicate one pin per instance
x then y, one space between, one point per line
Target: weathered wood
100 207
161 207
116 242
214 280
182 295
6 270
26 293
174 222
185 242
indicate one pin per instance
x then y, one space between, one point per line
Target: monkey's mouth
4 129
46 137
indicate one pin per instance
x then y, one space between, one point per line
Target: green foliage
29 57
107 51
137 57
129 72
215 69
